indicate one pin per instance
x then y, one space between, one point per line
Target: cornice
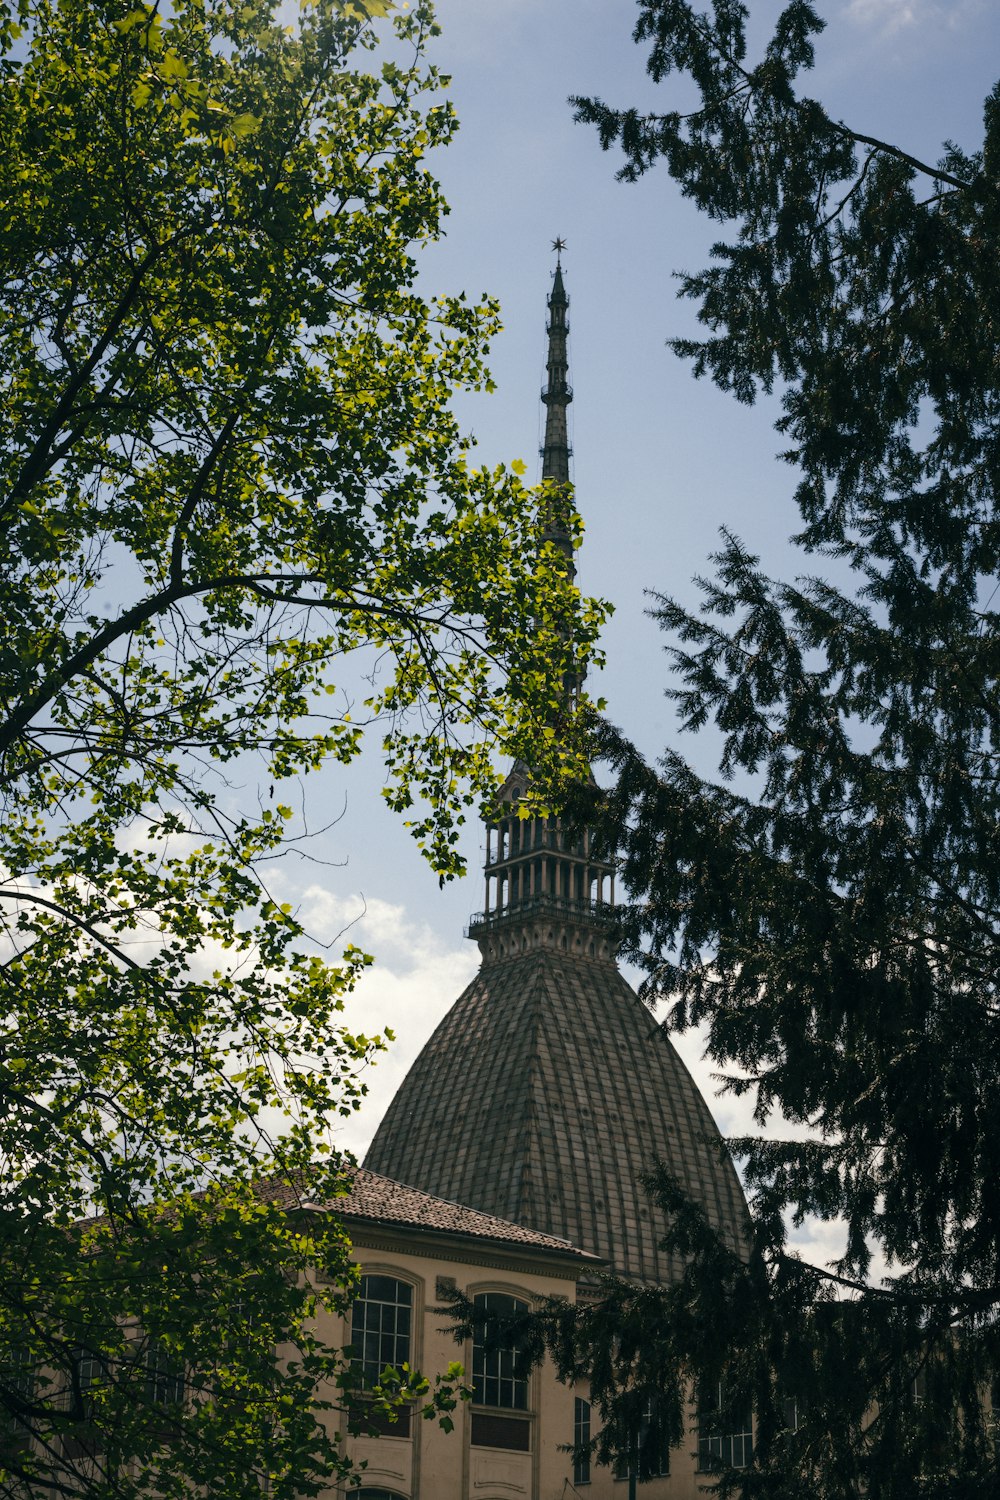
469 1250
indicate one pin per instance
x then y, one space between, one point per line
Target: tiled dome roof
542 1097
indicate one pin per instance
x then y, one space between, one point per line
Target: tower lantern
543 884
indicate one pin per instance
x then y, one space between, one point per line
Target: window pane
17 1374
581 1434
90 1372
725 1434
164 1378
491 1431
374 1423
654 1448
494 1382
649 1449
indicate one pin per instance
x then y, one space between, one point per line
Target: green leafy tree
828 907
228 462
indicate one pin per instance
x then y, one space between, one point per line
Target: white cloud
888 18
415 980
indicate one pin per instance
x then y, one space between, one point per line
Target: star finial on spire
558 245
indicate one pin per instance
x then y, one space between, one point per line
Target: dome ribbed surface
542 1097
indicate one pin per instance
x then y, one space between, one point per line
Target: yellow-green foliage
227 459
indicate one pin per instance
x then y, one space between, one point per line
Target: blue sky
661 461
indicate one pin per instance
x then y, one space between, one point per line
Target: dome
544 1095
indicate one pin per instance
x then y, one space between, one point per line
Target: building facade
515 1439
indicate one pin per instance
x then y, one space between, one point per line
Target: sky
662 461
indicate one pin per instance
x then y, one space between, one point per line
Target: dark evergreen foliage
830 907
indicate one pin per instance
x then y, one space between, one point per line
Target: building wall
432 1465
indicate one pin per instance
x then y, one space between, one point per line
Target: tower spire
543 887
557 393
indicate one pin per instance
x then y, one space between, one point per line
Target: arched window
496 1383
381 1326
382 1336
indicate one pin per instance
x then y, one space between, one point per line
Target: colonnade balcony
539 905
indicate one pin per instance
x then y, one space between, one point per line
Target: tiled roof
543 1096
384 1201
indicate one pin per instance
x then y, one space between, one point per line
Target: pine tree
828 907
